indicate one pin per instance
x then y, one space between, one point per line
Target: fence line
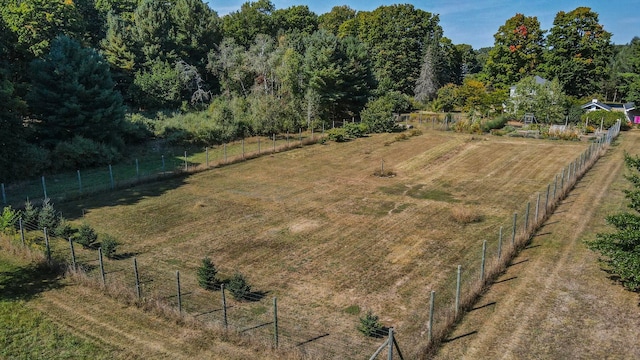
70 185
276 323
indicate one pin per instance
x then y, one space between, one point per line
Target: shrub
207 275
239 287
86 236
109 245
464 215
8 220
497 123
47 216
338 135
604 117
355 130
370 325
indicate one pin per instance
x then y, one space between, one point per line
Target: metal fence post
44 188
73 255
179 294
513 233
163 164
79 182
275 321
224 307
4 195
484 256
47 246
242 148
111 177
21 231
546 203
135 271
186 165
500 243
104 279
390 354
431 306
274 143
458 285
526 218
137 169
537 209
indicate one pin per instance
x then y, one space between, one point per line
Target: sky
474 22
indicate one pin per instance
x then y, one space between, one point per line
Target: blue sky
475 21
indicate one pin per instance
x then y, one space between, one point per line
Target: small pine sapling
208 275
109 245
370 325
86 236
239 287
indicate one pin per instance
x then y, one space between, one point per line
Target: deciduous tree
579 52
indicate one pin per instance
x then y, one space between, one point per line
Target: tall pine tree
72 93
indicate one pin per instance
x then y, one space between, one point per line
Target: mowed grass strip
315 228
27 333
556 302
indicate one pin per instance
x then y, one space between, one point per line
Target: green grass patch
352 310
27 333
420 192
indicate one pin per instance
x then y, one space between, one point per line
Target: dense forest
82 79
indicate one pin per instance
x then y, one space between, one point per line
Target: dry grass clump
464 215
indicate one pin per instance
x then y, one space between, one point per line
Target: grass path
555 302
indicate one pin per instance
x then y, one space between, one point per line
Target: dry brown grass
465 215
378 243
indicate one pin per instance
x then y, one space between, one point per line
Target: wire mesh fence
276 323
69 185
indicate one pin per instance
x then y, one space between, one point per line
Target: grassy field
555 302
314 228
30 334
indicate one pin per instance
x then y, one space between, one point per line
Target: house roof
629 106
596 104
538 80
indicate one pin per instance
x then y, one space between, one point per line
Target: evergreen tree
621 249
72 93
427 84
208 275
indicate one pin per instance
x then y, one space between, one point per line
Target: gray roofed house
538 79
629 109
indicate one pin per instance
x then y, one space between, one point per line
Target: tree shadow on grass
26 282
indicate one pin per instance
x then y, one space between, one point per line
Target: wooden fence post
44 187
4 195
79 182
225 152
186 165
274 143
258 145
163 164
546 203
206 149
242 148
526 218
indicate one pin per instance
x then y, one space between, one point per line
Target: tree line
73 71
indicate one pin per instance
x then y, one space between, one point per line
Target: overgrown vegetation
620 250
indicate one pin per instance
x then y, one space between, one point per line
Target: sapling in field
239 287
370 325
208 275
86 236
